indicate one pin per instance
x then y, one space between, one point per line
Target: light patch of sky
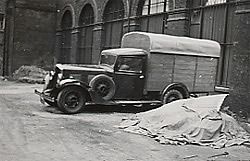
212 2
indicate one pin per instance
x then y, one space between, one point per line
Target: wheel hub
102 88
72 100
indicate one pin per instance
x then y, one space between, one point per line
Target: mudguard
93 96
69 82
178 86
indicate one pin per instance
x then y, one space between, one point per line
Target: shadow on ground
107 109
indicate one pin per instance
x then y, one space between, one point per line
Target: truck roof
163 43
125 51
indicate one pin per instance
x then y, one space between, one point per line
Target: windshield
108 60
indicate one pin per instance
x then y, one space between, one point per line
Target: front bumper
43 96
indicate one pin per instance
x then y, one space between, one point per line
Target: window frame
114 10
67 20
87 19
158 4
141 58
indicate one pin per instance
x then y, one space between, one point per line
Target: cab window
130 64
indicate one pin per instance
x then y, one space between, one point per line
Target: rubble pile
29 74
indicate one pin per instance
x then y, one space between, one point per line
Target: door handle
141 76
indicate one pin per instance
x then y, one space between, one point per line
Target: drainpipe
8 36
129 14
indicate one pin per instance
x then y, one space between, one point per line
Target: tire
71 100
103 85
172 95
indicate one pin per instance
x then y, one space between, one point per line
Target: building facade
28 34
75 31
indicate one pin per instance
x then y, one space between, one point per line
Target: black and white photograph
124 80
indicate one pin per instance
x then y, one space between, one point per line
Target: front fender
92 95
69 82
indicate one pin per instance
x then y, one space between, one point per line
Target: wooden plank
206 61
158 86
197 73
204 87
160 72
205 81
205 74
184 70
208 69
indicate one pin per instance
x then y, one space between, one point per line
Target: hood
83 67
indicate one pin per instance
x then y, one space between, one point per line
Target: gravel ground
32 131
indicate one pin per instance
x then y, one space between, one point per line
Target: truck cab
148 68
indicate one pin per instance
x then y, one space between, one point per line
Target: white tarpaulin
189 121
163 43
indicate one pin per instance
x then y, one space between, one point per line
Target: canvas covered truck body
148 68
172 59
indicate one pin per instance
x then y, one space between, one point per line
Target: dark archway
113 24
66 25
85 38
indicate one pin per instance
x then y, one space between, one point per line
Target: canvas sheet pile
189 121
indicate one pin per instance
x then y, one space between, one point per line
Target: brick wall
177 23
239 100
31 34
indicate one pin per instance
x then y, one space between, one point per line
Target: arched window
66 26
114 10
86 16
85 38
113 24
152 12
66 20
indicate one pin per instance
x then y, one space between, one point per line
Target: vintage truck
148 68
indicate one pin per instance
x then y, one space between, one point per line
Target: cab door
129 77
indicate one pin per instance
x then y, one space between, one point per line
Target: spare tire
103 85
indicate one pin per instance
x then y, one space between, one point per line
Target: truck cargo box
190 61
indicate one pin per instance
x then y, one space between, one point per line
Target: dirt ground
32 131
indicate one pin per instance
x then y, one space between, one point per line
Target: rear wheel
172 95
71 100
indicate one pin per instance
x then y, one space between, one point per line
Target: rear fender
178 86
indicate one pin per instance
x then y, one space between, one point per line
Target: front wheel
172 95
71 100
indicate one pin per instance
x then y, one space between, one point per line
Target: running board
126 102
137 102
